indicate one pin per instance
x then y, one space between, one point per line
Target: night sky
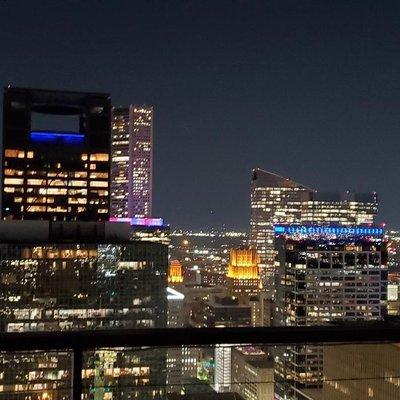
306 89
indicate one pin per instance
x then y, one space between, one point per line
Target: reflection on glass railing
250 372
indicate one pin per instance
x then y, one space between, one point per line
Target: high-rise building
81 275
343 209
56 147
131 163
181 360
175 274
243 276
223 368
274 200
325 274
278 200
252 373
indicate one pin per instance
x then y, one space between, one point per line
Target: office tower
262 307
221 311
252 373
181 360
243 277
56 148
344 209
325 274
131 163
360 372
393 252
222 372
175 275
274 200
81 275
279 200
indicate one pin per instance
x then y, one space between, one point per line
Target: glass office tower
56 148
325 275
132 159
81 276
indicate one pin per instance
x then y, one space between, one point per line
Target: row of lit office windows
54 182
17 153
56 191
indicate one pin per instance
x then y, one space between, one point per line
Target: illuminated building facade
53 173
131 162
325 274
78 276
223 368
243 276
274 200
81 275
346 209
279 200
175 272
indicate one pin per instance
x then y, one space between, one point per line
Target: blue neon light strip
328 230
63 137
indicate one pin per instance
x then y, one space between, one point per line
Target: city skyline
310 92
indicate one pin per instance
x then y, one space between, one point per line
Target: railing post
77 374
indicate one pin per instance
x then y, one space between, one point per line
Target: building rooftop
262 178
38 231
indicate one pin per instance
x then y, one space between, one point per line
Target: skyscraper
56 147
274 200
243 278
339 208
131 163
325 274
279 200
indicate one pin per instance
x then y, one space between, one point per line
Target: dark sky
307 89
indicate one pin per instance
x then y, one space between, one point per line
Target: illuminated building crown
175 272
243 264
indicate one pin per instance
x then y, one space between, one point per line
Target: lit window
84 157
99 183
102 211
52 191
13 181
29 154
12 172
36 209
82 192
9 189
37 182
13 153
57 209
76 200
78 183
57 182
99 175
99 157
92 167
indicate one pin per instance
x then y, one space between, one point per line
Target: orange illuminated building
243 276
175 272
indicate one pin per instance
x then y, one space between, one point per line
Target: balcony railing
90 358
